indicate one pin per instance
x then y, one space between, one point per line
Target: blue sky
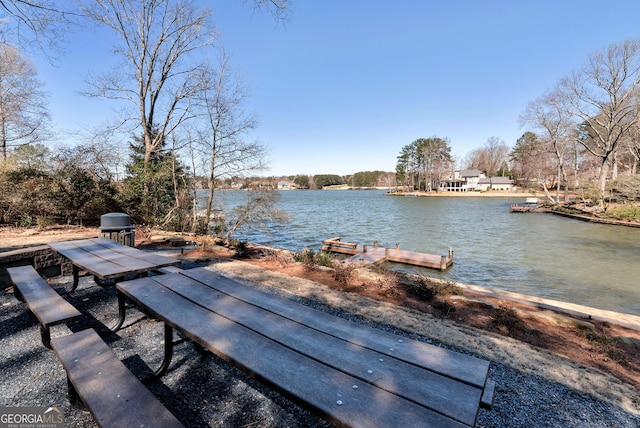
345 84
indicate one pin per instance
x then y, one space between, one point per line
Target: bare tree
489 158
23 113
258 210
279 9
159 43
557 131
436 160
600 96
163 45
222 141
35 23
631 144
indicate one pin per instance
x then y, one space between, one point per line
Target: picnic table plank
44 302
444 395
465 368
114 396
85 257
156 259
340 398
108 259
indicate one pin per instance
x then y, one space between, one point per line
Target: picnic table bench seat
350 374
114 396
49 307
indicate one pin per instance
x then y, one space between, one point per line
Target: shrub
283 258
388 284
342 272
43 222
427 289
305 256
606 345
323 258
507 317
626 212
241 248
26 221
444 306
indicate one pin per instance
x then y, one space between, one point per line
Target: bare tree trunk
547 192
602 181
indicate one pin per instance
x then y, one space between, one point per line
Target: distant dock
530 205
376 255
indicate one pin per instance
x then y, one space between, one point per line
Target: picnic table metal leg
45 334
168 354
18 294
76 279
122 311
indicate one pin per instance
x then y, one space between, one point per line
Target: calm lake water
537 254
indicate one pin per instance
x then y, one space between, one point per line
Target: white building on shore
474 180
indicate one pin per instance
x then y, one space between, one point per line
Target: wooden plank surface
113 395
372 256
148 256
109 259
339 397
45 303
442 394
465 368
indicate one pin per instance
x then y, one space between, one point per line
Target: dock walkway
376 255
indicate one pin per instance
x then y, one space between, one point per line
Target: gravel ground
206 391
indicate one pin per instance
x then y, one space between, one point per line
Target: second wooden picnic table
106 259
348 373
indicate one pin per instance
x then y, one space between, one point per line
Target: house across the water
473 180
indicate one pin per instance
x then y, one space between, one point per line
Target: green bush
26 221
43 222
305 256
627 212
323 258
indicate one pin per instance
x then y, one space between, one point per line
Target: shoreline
30 237
487 194
622 319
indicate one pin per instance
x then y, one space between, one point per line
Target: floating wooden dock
530 205
515 208
376 255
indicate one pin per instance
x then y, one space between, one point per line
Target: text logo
31 417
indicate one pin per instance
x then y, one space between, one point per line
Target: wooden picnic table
107 259
348 373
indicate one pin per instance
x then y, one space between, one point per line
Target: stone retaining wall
44 259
